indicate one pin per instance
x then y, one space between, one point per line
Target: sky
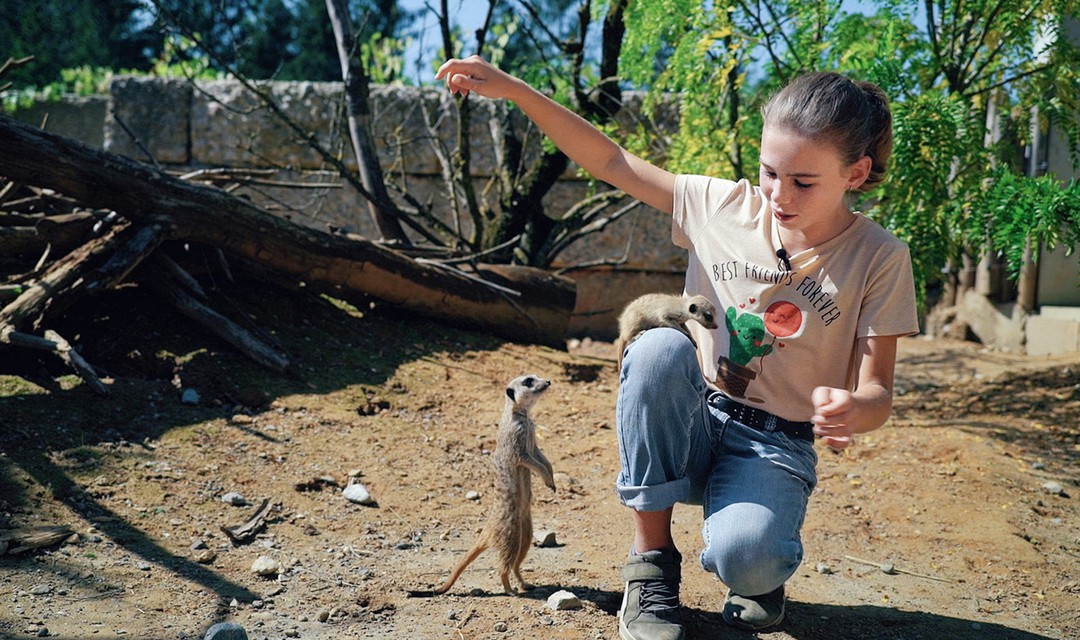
469 14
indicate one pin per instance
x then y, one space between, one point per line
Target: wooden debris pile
76 221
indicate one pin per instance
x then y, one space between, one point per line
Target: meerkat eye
708 317
528 382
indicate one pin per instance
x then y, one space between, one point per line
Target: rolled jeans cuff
654 497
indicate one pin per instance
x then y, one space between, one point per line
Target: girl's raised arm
573 135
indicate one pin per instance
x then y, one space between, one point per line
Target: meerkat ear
510 393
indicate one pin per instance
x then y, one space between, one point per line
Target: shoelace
659 595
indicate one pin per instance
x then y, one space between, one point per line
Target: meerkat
509 526
662 310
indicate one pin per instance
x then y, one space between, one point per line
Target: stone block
156 111
80 118
1050 336
997 326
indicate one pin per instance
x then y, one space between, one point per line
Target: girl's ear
858 172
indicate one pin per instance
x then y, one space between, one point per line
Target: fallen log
15 541
348 267
72 358
224 328
95 266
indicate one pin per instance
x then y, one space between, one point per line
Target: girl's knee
751 565
660 351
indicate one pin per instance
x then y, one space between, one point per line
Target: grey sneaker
650 605
754 613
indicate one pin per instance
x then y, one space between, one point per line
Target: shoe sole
739 624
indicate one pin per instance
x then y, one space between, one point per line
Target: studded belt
760 419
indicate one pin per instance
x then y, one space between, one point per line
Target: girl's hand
834 419
476 74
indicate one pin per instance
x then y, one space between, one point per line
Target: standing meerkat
509 526
662 310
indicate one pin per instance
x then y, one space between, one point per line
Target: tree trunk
359 117
343 266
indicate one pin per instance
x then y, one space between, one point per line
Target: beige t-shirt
781 332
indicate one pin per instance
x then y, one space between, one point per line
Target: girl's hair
852 116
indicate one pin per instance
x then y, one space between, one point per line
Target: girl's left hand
833 416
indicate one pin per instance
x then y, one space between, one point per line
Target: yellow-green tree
955 70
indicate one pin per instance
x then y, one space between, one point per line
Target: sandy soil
936 526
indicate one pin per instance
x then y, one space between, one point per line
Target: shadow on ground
806 621
55 431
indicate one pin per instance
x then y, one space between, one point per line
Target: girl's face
805 181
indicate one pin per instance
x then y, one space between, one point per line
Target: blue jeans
675 447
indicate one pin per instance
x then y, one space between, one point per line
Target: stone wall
220 124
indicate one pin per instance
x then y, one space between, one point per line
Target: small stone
323 616
544 538
43 632
143 566
358 494
1038 466
1054 488
226 631
501 626
265 566
472 495
563 601
234 498
189 396
206 556
40 590
824 569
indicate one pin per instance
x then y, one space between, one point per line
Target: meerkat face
704 311
524 390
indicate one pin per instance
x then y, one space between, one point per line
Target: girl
814 297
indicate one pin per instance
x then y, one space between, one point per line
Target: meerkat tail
481 545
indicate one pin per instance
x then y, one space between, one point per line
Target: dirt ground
944 524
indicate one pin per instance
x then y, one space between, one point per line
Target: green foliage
722 61
82 81
931 132
180 58
1017 211
63 34
384 59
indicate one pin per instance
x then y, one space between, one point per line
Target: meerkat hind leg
525 538
504 574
